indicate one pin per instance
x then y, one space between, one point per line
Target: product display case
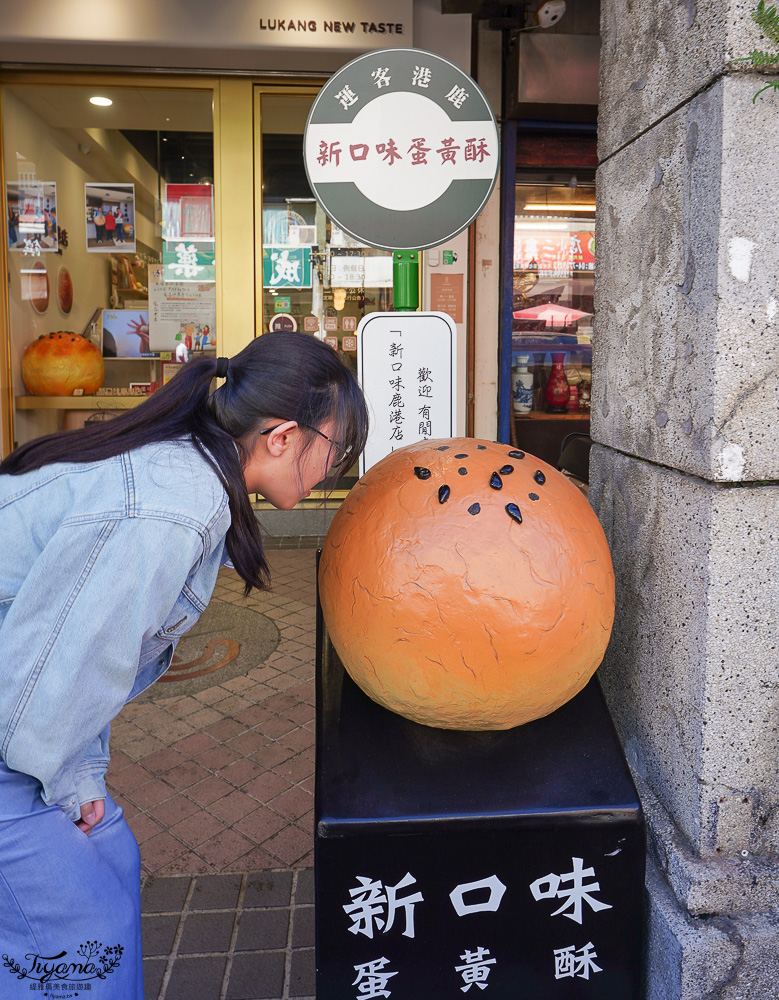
554 269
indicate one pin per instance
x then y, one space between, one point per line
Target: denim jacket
103 566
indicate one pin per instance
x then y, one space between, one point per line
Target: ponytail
285 375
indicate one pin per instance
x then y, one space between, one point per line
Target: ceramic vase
558 391
522 385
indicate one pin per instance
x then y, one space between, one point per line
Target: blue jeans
67 900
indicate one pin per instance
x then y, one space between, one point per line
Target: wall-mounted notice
180 312
407 367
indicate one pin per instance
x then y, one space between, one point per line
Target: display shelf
78 402
541 415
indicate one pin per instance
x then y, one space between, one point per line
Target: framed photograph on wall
110 217
31 208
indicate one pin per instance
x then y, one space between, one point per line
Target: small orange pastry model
56 364
467 585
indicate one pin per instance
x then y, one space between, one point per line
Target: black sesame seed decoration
462 455
516 454
506 470
513 512
443 447
533 496
443 493
496 483
421 473
474 508
540 478
462 471
481 447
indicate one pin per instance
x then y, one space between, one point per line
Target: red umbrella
552 314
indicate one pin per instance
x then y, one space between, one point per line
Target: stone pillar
685 476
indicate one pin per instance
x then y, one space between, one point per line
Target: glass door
311 275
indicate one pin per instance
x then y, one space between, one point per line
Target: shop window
315 277
554 269
111 237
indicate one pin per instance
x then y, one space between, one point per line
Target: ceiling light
101 102
538 207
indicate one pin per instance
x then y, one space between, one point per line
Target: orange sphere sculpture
56 364
467 585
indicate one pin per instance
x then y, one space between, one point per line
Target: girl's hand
91 814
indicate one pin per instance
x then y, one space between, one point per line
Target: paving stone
226 847
293 803
186 774
161 895
304 891
163 761
195 744
248 741
196 977
160 850
143 827
268 888
302 973
257 859
271 755
241 771
290 845
198 828
225 729
267 786
129 778
298 739
188 863
158 933
217 892
206 932
263 930
303 927
173 810
217 757
260 825
209 790
255 977
150 793
233 807
205 717
153 972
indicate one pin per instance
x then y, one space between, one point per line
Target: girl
111 540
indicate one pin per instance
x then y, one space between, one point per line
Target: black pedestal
449 864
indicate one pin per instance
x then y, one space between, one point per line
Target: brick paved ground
218 790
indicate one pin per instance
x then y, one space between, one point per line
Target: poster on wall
31 207
110 217
180 312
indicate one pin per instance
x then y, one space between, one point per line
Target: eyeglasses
341 450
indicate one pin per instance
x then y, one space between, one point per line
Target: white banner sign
406 363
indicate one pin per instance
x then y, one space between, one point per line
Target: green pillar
405 280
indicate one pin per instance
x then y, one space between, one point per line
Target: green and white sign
286 267
401 149
185 260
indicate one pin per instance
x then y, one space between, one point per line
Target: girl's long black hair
289 376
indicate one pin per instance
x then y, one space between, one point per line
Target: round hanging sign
401 149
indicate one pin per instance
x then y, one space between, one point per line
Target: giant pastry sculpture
467 585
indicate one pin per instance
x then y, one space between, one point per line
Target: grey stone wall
685 477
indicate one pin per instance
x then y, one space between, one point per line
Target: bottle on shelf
557 392
522 384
